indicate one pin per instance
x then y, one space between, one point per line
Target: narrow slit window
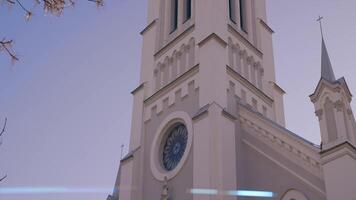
232 10
174 15
187 10
243 24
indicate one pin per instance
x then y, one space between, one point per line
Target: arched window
174 15
187 10
232 10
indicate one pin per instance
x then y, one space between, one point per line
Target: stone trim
338 151
284 167
203 110
191 72
247 43
213 36
129 155
236 76
149 26
307 161
181 88
169 45
137 89
265 25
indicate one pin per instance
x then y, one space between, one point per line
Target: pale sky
68 100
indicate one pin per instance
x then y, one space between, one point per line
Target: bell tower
338 131
198 58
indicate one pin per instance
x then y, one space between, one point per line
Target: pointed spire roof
327 72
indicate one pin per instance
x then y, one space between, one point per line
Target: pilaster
214 155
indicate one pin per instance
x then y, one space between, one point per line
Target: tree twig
3 178
3 128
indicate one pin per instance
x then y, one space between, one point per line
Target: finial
321 25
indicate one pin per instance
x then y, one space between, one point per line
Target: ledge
243 39
148 27
191 72
265 25
212 36
249 85
169 44
138 88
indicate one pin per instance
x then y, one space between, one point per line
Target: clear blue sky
68 100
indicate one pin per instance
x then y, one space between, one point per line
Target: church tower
338 131
208 119
201 60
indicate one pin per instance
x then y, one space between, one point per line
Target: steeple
327 72
332 100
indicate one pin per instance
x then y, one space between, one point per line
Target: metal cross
321 25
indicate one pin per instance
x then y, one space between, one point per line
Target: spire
327 72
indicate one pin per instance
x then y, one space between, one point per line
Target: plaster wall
340 178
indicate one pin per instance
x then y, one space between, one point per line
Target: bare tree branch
7 46
1 133
54 7
3 128
3 178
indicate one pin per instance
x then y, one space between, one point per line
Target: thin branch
3 178
3 128
54 7
7 46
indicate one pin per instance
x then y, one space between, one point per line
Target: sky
68 100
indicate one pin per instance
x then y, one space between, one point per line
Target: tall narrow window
187 10
232 10
243 24
174 15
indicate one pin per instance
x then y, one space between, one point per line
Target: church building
208 119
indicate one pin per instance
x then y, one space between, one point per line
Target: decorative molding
339 105
212 36
175 91
321 191
245 41
236 76
309 161
173 42
319 114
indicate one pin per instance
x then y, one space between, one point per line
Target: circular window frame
157 168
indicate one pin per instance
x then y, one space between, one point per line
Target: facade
208 119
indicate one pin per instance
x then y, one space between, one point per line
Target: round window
174 146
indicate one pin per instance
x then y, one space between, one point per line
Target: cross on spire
321 25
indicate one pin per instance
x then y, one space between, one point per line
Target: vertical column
174 71
157 74
214 159
260 76
253 73
340 120
183 59
237 59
